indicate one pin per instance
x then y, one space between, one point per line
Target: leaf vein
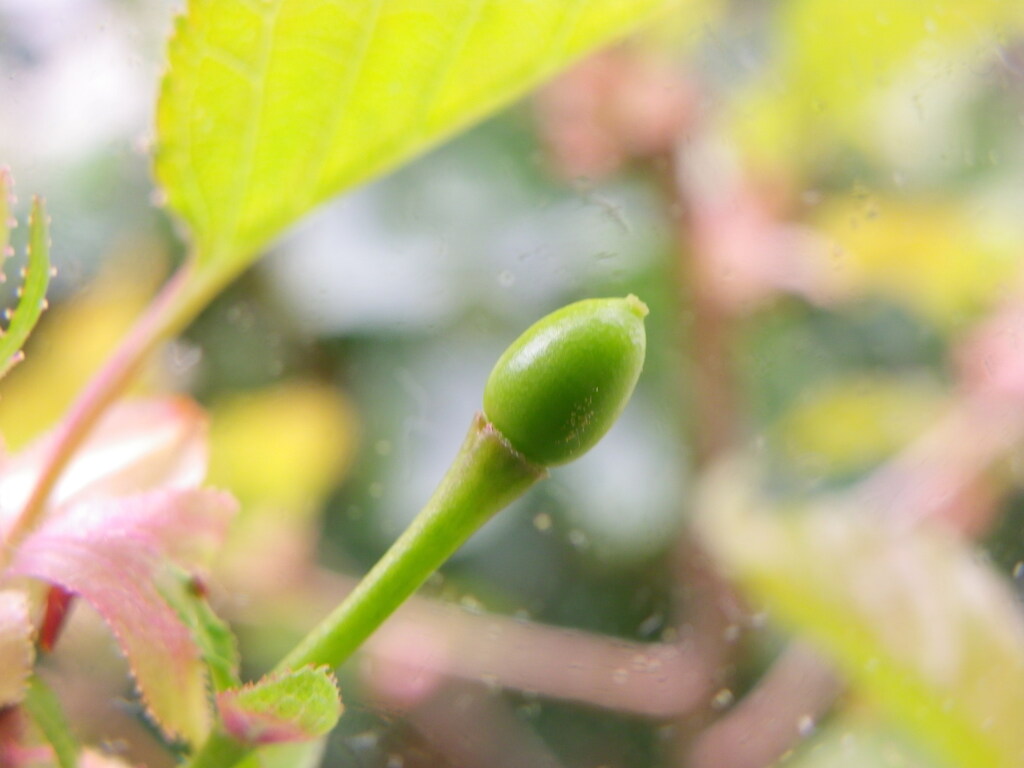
252 135
330 127
420 114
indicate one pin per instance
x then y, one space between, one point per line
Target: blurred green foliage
888 136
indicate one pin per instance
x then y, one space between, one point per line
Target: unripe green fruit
560 386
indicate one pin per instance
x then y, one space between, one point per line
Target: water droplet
649 626
506 279
542 521
1018 569
811 197
529 710
578 538
182 356
722 699
620 676
805 726
490 680
471 604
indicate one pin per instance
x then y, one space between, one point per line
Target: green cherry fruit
560 386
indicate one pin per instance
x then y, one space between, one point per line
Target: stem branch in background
707 608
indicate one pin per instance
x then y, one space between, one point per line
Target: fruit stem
487 474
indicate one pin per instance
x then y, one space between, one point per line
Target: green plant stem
486 476
219 751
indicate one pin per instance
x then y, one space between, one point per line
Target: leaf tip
293 706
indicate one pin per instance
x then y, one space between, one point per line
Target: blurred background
821 203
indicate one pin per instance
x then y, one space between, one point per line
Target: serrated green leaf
294 706
17 650
912 616
216 643
270 107
44 708
32 293
6 216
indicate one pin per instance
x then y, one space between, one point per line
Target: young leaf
44 707
271 106
113 553
912 616
16 651
216 643
32 294
293 706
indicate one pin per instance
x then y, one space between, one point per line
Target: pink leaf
746 252
138 445
16 651
991 358
113 553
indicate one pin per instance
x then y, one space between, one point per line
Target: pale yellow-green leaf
914 617
941 261
841 53
284 447
855 422
834 63
857 742
271 106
